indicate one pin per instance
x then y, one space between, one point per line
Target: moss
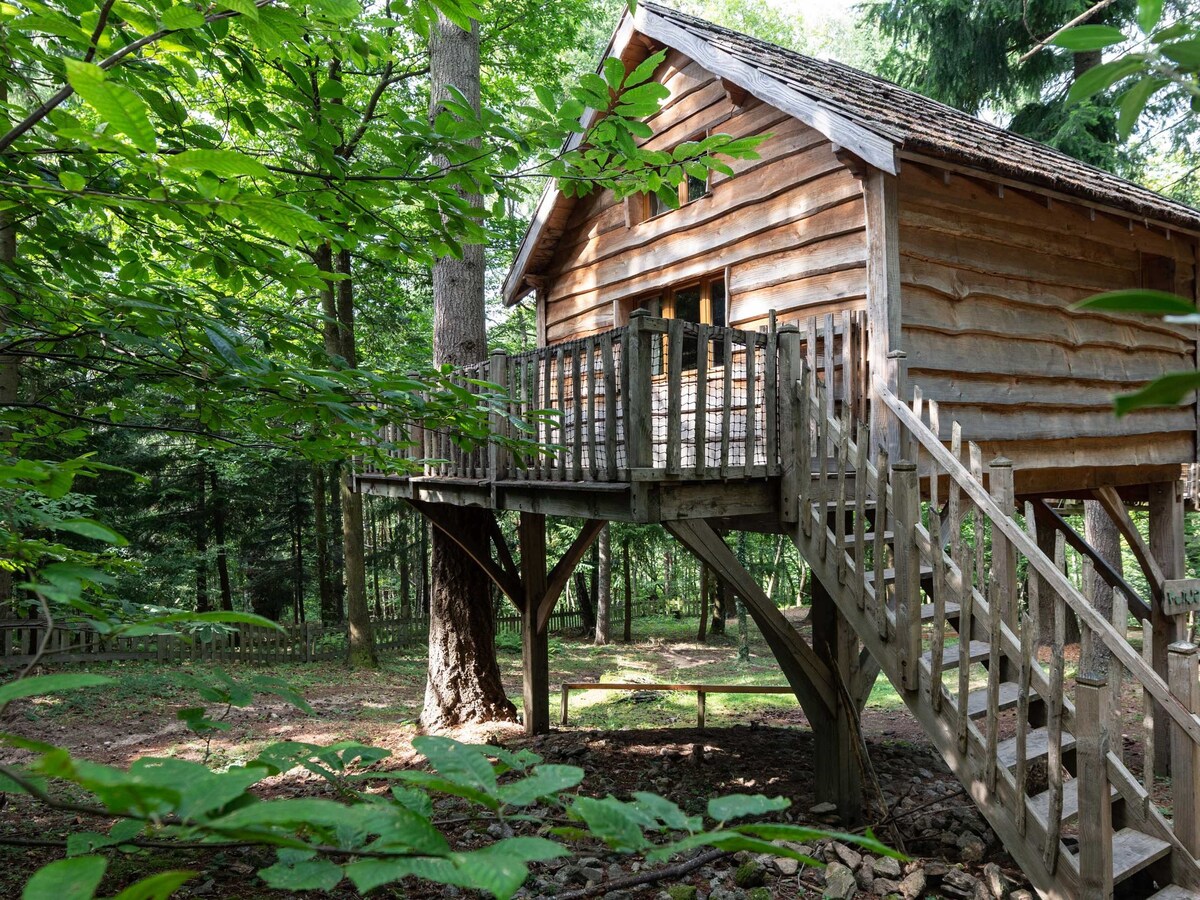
681 892
749 874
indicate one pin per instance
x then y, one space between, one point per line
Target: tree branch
1082 17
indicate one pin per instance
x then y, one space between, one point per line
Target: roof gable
868 116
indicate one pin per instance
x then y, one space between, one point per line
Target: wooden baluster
560 397
610 407
576 415
804 453
593 469
907 499
1184 678
955 503
770 397
843 465
751 404
639 433
1148 713
674 459
793 466
821 492
827 362
497 453
1025 686
1054 717
966 626
727 410
1095 806
846 368
937 643
703 333
1002 604
880 553
549 403
860 515
976 456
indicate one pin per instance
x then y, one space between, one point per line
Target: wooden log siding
573 398
987 285
790 227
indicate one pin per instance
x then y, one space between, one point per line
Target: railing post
1183 666
906 511
1004 563
639 434
497 421
896 378
1095 805
792 467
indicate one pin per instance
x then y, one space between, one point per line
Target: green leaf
1186 53
245 7
735 806
231 618
1102 77
457 762
123 110
1149 13
157 887
1088 37
1169 390
72 181
667 812
1133 103
90 529
304 875
544 782
645 69
66 879
614 72
177 18
49 684
612 821
1139 300
223 163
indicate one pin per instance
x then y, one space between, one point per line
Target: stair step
1037 745
978 651
869 539
1133 851
1175 892
1040 803
977 701
952 610
889 575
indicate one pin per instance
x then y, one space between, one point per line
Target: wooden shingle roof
867 115
916 124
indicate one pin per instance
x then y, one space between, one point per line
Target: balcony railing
659 399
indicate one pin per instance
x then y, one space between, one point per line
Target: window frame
684 189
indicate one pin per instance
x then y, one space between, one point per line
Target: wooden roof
869 116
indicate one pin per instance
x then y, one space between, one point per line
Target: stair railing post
639 435
792 467
897 376
1095 804
497 420
1183 669
906 512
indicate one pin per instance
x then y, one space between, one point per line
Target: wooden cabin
865 340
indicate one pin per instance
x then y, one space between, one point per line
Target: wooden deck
657 421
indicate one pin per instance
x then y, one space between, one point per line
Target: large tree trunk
1102 533
464 678
200 526
219 505
10 373
604 588
583 599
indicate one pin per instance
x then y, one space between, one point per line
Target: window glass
696 187
687 304
717 293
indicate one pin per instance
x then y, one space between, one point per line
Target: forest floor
648 741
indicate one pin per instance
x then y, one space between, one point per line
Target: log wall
789 230
988 276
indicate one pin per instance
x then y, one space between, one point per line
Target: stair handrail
1020 539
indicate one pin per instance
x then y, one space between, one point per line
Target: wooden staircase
929 565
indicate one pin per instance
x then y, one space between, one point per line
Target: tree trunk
10 372
1102 533
583 598
201 535
702 630
628 632
464 677
604 588
405 549
219 504
720 609
321 522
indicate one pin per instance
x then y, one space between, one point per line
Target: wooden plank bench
700 691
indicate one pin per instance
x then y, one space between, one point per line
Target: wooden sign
1181 595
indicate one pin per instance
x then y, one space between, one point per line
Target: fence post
792 467
498 421
897 370
1095 805
907 572
639 436
1183 668
1004 562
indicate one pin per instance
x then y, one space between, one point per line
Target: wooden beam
838 776
505 580
882 204
1115 507
809 677
737 95
502 549
864 679
1167 548
561 573
1043 511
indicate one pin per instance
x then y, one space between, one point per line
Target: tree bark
1102 533
321 527
464 677
702 630
628 632
200 532
10 372
604 588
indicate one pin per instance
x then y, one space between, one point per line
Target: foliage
367 837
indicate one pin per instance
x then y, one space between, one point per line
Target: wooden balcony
655 421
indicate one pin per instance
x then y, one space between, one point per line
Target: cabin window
1158 273
690 190
702 302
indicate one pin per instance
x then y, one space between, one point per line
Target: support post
1184 667
535 650
907 499
1166 545
498 424
639 439
837 772
1095 805
793 468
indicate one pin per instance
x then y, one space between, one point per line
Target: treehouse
866 340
